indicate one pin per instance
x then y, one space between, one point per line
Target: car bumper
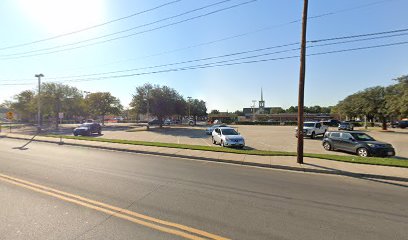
81 132
382 152
234 144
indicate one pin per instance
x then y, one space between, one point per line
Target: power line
239 35
221 64
10 56
256 50
374 37
91 27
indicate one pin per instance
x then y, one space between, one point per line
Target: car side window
335 135
318 125
346 136
217 130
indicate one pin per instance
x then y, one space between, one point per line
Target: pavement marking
115 211
205 142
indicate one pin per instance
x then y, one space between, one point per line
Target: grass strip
351 159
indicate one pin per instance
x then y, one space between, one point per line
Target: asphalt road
61 192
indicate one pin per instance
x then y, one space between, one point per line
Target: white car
312 129
227 137
209 130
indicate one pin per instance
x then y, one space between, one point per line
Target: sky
117 45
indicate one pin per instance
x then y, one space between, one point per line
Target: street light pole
302 86
189 108
39 76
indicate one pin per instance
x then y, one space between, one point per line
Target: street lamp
189 108
39 76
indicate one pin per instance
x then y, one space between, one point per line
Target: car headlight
227 139
372 145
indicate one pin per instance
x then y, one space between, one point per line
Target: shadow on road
371 177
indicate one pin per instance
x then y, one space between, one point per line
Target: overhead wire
27 53
90 27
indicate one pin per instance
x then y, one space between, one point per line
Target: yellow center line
112 210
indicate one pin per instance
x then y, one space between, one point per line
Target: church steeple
261 103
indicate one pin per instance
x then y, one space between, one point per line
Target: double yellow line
144 220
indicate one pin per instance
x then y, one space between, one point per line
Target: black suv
403 124
86 129
357 142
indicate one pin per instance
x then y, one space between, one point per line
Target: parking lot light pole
39 76
302 85
189 108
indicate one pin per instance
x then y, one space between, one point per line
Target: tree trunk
384 123
103 120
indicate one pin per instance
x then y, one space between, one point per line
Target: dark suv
403 124
86 129
357 142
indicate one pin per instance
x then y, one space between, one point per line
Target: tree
292 109
215 111
25 105
161 101
197 108
57 97
102 104
277 110
397 98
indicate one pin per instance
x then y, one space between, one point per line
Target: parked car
357 142
86 129
312 129
346 126
168 122
227 137
155 122
331 123
403 124
209 130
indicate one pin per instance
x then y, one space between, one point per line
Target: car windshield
229 131
85 125
362 137
308 125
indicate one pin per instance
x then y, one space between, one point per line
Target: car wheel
99 132
75 134
213 140
362 152
327 146
313 135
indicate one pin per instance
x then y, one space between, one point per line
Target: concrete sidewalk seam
255 164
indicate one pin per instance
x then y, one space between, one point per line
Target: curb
280 167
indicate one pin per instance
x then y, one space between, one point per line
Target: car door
335 140
217 135
319 128
347 142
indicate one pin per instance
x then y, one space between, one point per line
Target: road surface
49 191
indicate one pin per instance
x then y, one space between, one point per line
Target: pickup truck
311 129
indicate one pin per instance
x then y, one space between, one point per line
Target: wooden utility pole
302 85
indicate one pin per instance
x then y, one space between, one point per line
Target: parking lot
277 138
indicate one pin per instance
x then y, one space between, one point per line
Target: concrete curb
274 166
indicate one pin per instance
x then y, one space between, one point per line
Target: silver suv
227 137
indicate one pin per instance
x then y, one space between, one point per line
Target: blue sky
263 23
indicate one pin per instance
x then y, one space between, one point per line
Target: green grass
350 158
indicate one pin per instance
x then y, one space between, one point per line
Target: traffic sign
9 115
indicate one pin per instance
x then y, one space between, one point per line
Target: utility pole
39 76
301 96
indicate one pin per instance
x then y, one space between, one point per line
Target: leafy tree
25 105
292 109
239 113
215 111
161 101
197 108
102 104
57 97
397 98
277 110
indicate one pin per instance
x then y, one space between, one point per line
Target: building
261 109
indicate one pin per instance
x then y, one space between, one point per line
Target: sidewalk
277 162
